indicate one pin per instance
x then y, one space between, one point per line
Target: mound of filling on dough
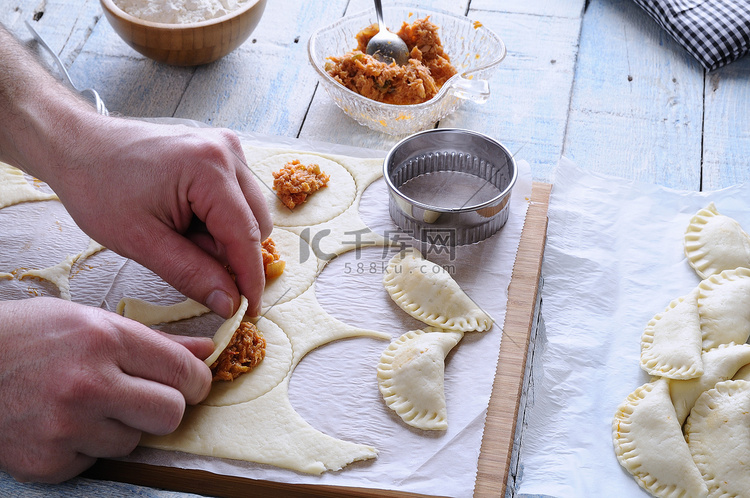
419 80
245 351
272 262
295 181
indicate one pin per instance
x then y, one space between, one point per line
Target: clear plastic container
475 52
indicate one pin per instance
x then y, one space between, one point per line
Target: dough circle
323 205
267 375
299 273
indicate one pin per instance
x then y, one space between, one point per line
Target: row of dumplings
686 433
411 371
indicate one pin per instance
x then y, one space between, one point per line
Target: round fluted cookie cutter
449 186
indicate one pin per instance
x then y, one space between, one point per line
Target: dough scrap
719 364
671 342
58 274
649 444
309 326
718 435
14 189
411 375
265 430
428 293
714 243
724 308
151 314
93 248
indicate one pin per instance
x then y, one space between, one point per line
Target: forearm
41 118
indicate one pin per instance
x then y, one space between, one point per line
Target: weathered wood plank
530 90
553 8
726 126
266 85
129 83
637 102
64 24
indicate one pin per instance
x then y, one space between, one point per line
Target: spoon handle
379 14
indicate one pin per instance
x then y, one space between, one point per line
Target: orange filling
418 81
245 351
272 261
295 181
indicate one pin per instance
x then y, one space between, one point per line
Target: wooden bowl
186 44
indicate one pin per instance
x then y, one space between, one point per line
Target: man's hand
78 383
178 200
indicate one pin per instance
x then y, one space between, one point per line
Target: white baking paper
614 258
334 388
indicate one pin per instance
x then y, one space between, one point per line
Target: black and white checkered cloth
716 32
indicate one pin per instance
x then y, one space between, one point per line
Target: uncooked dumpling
724 308
719 364
714 243
411 376
671 342
649 444
718 435
428 293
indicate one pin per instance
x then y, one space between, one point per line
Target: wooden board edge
502 413
207 483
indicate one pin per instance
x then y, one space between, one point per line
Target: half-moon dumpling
649 444
724 308
714 243
719 364
428 293
718 435
671 342
411 376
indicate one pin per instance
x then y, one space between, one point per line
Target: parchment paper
614 258
334 388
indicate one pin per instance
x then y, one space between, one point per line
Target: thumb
190 270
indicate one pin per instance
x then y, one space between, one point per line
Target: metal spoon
97 100
387 46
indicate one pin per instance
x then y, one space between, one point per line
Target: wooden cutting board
502 414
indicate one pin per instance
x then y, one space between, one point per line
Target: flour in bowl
178 11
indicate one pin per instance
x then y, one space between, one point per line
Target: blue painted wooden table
596 81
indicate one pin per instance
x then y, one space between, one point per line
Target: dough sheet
334 387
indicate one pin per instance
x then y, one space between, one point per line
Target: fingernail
221 303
